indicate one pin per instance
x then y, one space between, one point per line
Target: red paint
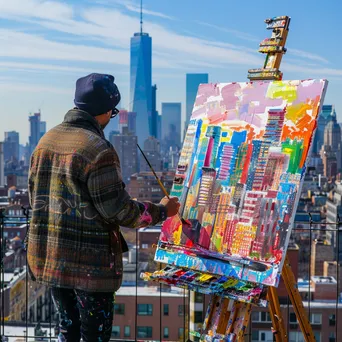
209 152
244 175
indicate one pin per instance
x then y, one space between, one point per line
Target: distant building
159 127
18 169
113 125
37 130
141 320
151 150
171 126
331 150
2 165
11 146
325 116
155 114
192 83
141 83
125 145
38 302
334 215
127 119
144 187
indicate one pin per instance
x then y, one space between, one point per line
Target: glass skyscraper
141 84
192 83
171 125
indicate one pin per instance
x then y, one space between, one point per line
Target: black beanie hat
97 94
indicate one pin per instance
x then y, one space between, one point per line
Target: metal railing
304 234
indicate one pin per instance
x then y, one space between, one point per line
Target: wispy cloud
308 55
31 67
22 45
113 28
133 6
51 10
32 88
313 71
236 33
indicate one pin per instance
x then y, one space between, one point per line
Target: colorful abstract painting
239 178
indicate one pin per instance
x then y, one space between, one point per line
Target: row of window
315 318
143 332
294 336
147 309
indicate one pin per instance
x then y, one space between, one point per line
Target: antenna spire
141 17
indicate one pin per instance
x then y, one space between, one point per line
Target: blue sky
46 45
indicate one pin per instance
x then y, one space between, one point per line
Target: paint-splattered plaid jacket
78 202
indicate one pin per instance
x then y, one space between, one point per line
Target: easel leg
276 315
296 300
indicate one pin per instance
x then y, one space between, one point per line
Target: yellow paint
226 129
296 111
282 90
177 234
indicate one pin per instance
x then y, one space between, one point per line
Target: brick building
144 187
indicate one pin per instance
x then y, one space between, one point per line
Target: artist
78 204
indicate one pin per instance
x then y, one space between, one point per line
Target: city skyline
39 60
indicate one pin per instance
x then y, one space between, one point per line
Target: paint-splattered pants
86 314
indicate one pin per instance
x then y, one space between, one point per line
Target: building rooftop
323 280
153 229
149 291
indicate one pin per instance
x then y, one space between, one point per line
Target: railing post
2 276
26 212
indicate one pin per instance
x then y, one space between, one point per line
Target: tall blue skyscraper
171 125
141 83
192 83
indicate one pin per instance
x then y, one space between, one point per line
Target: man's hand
172 205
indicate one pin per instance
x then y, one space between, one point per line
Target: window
116 330
255 317
181 310
296 336
119 309
144 245
199 297
263 317
144 332
166 332
316 318
127 331
145 309
332 320
166 309
317 336
332 337
198 317
180 332
255 335
293 318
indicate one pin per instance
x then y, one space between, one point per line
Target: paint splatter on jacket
78 202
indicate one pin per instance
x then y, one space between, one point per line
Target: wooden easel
274 48
227 320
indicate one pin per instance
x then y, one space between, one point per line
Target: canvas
239 178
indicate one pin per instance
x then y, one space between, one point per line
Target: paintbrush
184 221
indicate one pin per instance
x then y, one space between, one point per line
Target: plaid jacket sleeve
112 201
